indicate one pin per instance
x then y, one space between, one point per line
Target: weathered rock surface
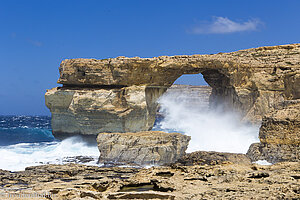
251 81
226 181
212 158
283 125
279 135
90 111
274 153
149 147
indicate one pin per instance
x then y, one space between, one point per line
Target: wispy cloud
223 25
35 42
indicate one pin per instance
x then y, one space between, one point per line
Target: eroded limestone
142 148
252 82
90 111
226 181
279 135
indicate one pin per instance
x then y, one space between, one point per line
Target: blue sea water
25 129
28 141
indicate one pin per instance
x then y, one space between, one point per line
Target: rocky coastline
115 101
119 95
223 180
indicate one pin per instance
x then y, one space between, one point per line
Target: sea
28 140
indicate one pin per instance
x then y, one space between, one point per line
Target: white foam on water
210 130
19 156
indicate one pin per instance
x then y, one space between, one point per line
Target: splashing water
210 130
17 157
28 141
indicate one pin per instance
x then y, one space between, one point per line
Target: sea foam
19 156
210 129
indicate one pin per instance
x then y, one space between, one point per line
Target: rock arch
119 94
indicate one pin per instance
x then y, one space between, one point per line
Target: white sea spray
210 129
19 156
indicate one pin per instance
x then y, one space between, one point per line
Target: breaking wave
210 129
19 156
28 141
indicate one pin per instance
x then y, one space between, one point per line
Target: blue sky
36 36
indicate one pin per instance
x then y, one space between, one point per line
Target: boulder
142 148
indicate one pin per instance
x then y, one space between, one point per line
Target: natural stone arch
128 87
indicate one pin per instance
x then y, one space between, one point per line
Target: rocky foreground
222 181
112 97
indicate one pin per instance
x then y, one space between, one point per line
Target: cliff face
279 135
90 111
251 81
283 125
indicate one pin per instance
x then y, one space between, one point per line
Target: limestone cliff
90 111
279 135
252 81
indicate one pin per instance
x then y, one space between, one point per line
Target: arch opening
223 95
207 110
